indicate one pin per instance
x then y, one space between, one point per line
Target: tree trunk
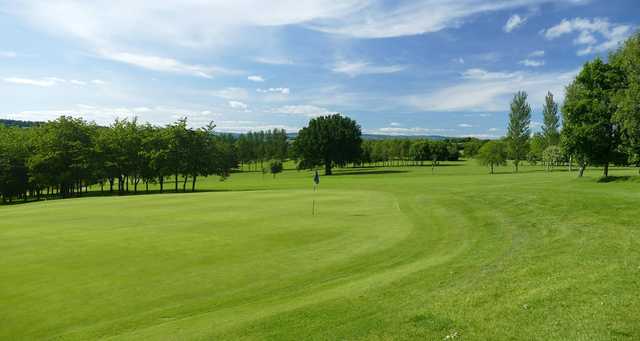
146 184
581 170
327 167
184 183
606 169
193 183
492 168
161 184
111 180
176 178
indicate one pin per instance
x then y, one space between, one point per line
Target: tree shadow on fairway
619 178
369 172
97 193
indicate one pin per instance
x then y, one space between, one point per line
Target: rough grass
393 253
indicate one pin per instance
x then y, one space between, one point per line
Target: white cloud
538 53
407 131
98 82
514 22
465 125
459 60
395 124
595 35
163 64
284 91
238 105
200 24
273 61
231 93
492 91
481 74
255 78
353 69
77 82
493 129
532 62
42 82
303 110
8 54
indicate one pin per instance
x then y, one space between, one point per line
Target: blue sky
397 67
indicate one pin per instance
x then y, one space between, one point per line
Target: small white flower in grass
525 306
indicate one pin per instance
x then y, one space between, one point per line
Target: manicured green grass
393 253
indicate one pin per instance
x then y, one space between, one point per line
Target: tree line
62 158
405 152
600 119
255 148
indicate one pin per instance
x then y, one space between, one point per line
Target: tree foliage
328 141
67 155
589 133
518 130
493 153
551 121
627 114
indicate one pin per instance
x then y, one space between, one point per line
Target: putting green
398 253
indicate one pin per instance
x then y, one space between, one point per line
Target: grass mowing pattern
396 253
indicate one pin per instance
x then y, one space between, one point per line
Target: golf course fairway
393 253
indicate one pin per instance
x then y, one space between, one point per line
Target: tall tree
551 120
589 133
518 130
328 141
627 115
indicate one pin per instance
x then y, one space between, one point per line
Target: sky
414 67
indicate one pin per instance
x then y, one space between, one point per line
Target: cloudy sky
397 67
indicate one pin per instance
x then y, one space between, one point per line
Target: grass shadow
370 172
619 178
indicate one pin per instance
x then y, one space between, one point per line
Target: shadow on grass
369 172
622 178
94 194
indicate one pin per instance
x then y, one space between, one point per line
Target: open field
394 253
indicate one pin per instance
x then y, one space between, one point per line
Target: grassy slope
397 255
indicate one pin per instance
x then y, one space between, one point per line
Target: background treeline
254 148
600 119
406 152
63 157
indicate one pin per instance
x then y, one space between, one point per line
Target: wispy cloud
610 34
532 62
42 82
407 131
353 69
482 90
537 53
238 105
514 22
255 78
273 61
284 91
163 64
302 110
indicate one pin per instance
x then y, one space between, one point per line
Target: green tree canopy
589 132
627 115
551 121
328 141
518 129
492 153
